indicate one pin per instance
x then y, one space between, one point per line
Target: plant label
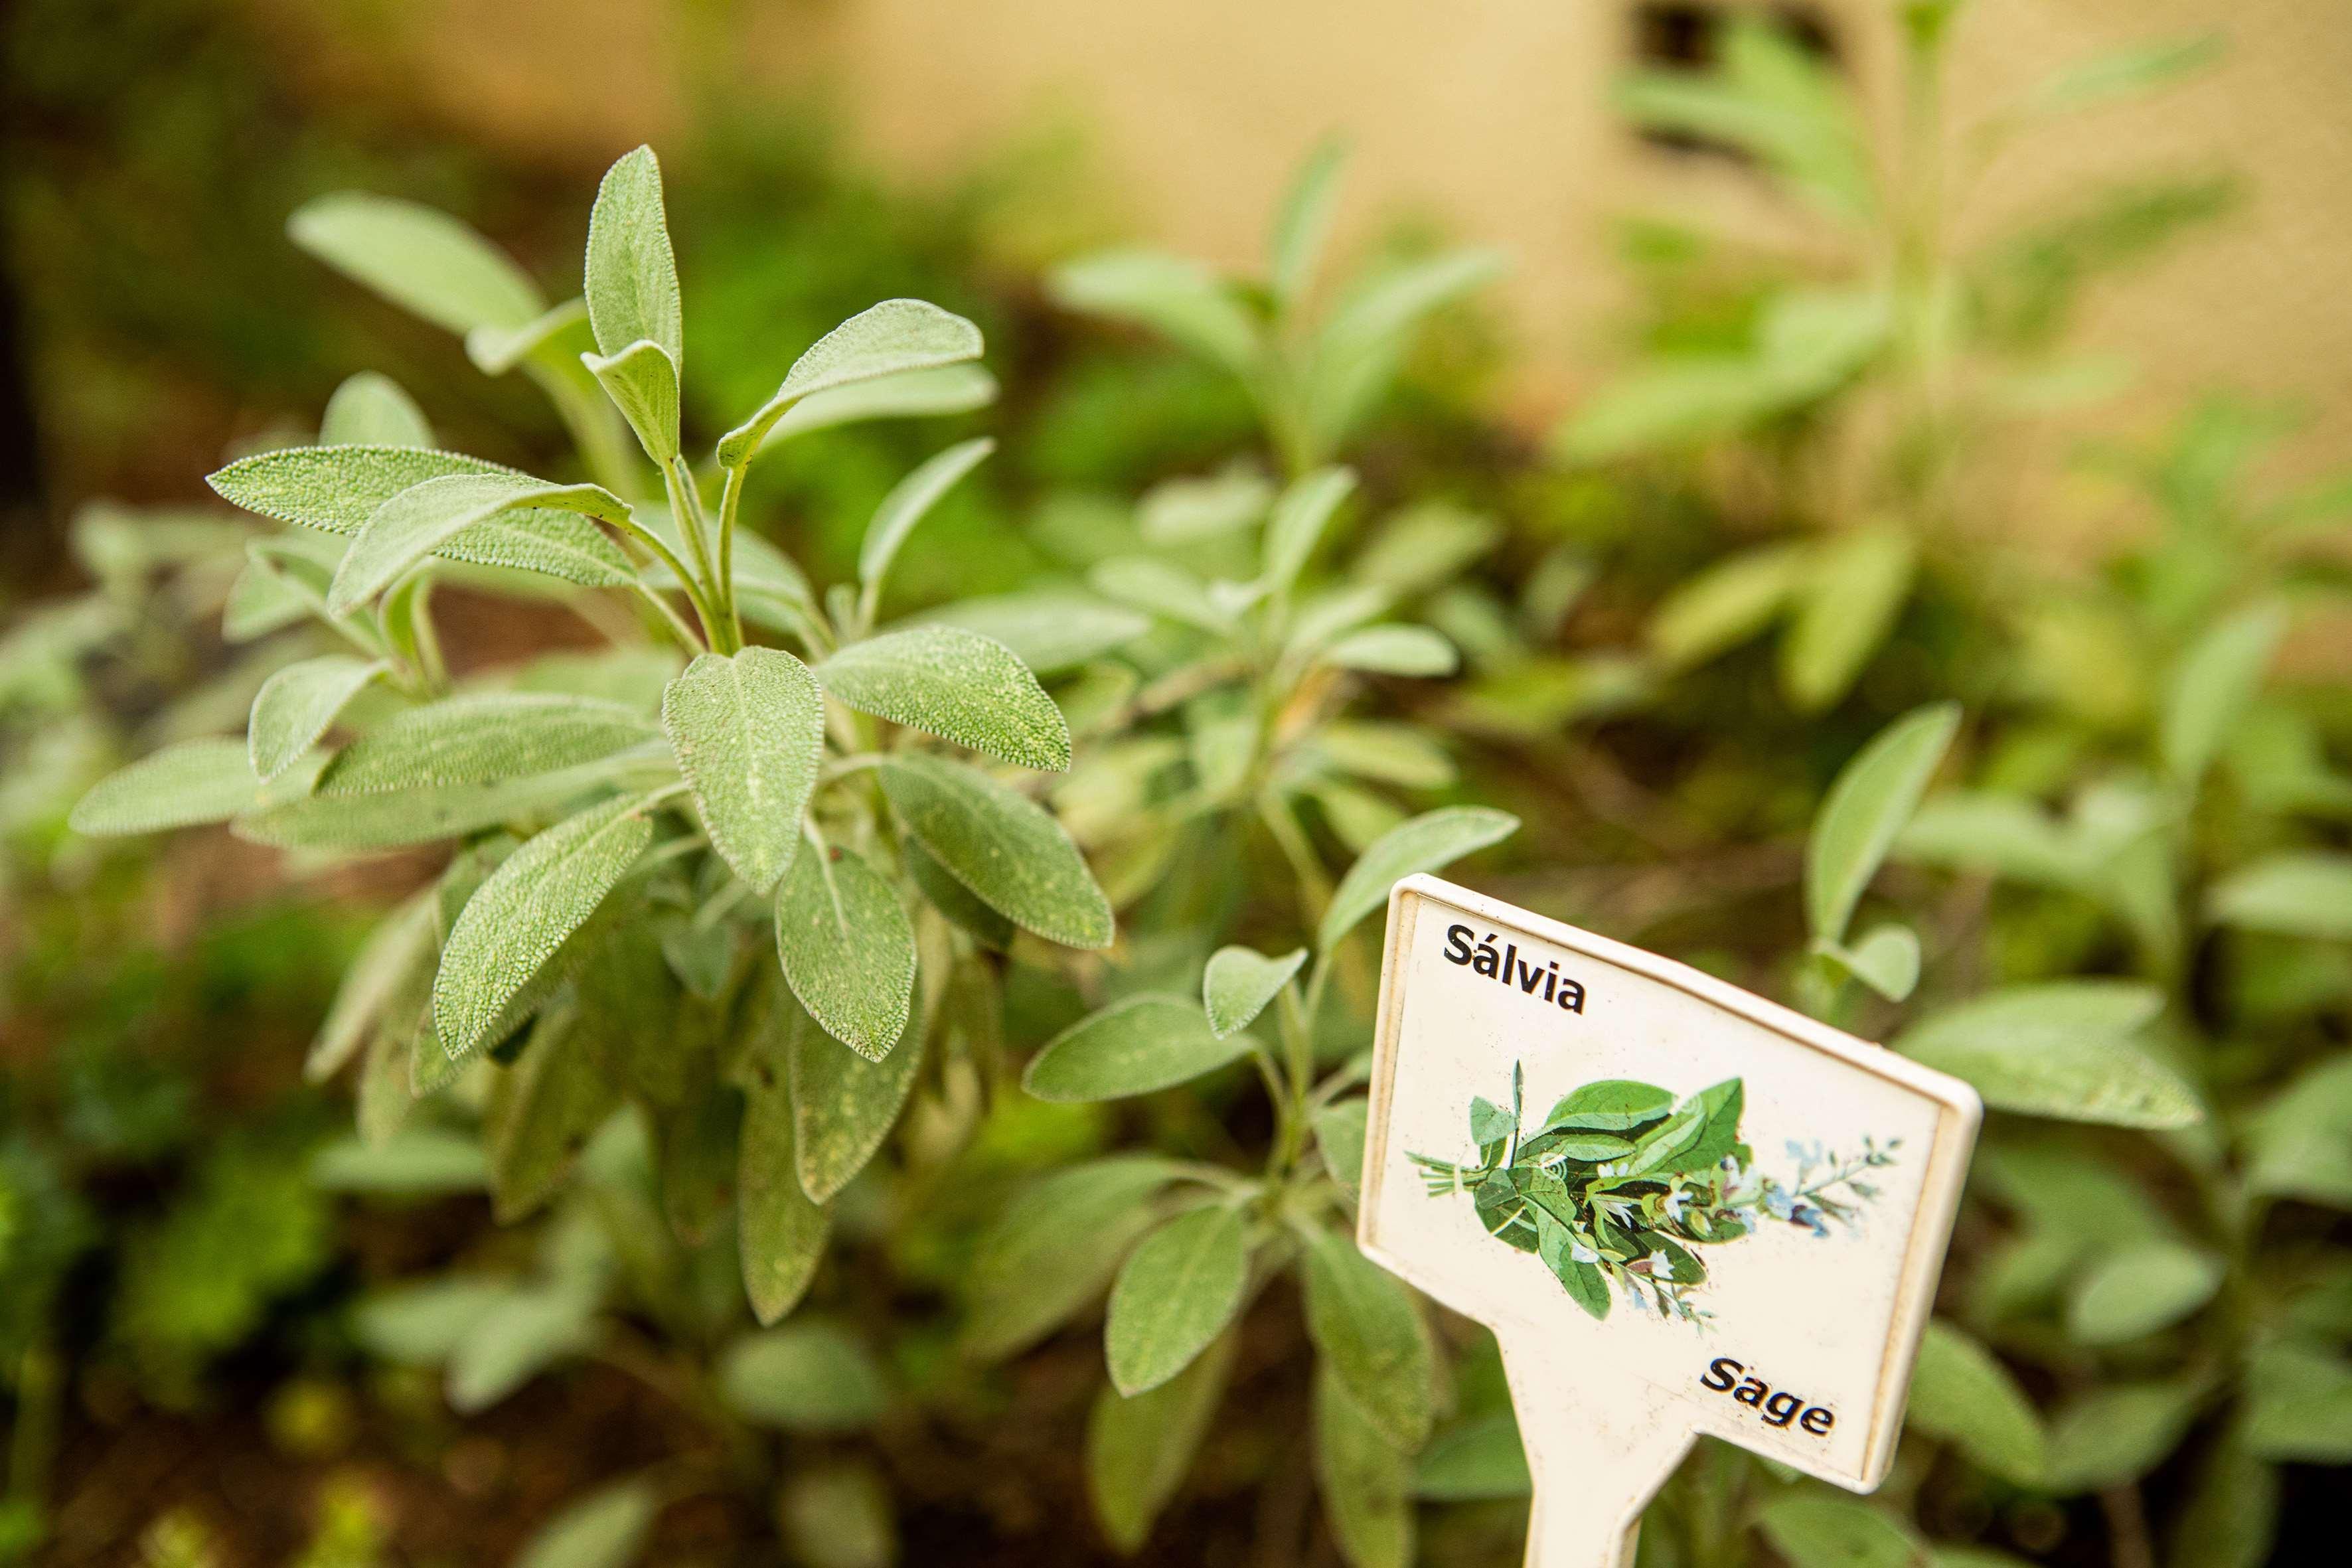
1681 1208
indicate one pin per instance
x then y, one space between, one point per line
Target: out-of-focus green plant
1868 386
632 836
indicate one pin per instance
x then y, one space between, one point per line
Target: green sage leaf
1300 515
2138 1290
2115 1435
1874 796
749 732
909 393
522 913
1026 1278
1048 630
541 1112
1478 1459
1366 1481
642 380
2298 893
1429 842
1138 1448
631 274
420 520
847 949
1961 1394
1854 588
1002 845
2215 687
1811 1531
371 410
909 503
955 684
805 1376
1136 1046
1340 1133
606 1529
1174 1295
843 1106
1726 603
885 339
1239 984
181 785
1371 1337
421 259
1175 296
1304 221
780 1231
338 489
2061 1049
483 738
1394 651
297 705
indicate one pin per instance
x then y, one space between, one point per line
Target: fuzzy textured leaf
888 339
521 914
955 684
1873 798
1429 842
1371 1337
1026 1278
847 949
338 489
484 738
843 1106
1002 845
2063 1049
631 274
1175 1294
421 259
1961 1394
371 410
1136 1046
420 520
1048 630
1366 1481
180 787
780 1231
1239 984
297 705
749 732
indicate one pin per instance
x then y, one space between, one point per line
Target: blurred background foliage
1760 531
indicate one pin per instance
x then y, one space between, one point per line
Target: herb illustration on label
1620 1181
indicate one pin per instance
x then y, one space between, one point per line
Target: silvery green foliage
725 917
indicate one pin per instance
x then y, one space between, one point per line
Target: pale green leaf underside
1026 1278
498 350
2063 1049
843 1106
370 410
521 914
630 276
1161 588
641 382
419 259
481 738
351 824
1394 651
887 339
908 394
296 705
749 732
847 949
1134 1045
1177 1291
401 940
1866 808
955 684
337 488
180 787
1185 512
1239 984
1004 846
909 502
1048 630
423 518
2138 1290
1371 1336
1961 1394
781 1234
1427 843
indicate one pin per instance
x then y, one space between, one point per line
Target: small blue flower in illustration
1621 1180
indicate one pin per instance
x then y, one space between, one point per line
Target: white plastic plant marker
1681 1208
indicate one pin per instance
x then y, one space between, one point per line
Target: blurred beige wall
1490 116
